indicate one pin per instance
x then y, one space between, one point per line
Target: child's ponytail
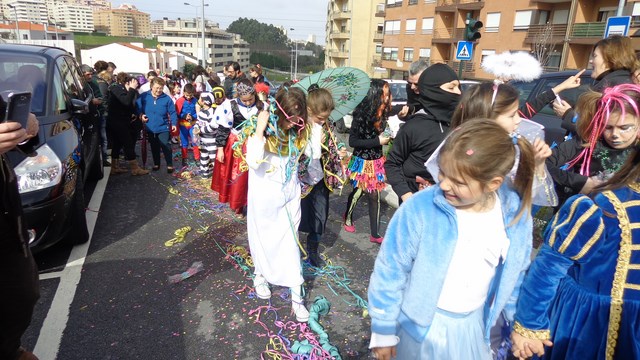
523 181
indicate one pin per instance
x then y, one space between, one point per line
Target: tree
542 44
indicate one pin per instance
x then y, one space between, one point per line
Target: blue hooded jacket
412 264
161 112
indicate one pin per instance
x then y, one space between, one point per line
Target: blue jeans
159 142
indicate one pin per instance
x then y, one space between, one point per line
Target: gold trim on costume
531 334
634 247
634 267
555 226
632 286
635 187
585 249
576 227
631 203
620 276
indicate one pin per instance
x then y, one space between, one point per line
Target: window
389 53
425 54
413 2
486 53
392 27
606 12
427 25
378 49
523 20
635 14
410 26
408 54
560 17
493 22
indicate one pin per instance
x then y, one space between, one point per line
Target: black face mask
435 101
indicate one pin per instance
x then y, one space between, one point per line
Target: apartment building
185 36
562 31
70 15
25 10
352 27
126 20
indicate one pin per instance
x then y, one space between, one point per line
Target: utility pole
204 48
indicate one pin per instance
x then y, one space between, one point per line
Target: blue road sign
617 25
464 50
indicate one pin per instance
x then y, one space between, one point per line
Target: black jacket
570 182
417 139
11 219
121 104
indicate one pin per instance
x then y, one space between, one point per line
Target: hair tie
496 85
313 87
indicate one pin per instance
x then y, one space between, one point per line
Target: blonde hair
105 75
319 100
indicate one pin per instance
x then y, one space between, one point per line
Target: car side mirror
80 107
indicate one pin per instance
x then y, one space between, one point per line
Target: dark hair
112 65
188 88
369 108
480 149
257 68
476 102
123 78
152 73
234 65
100 65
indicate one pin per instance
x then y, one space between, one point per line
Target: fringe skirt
367 175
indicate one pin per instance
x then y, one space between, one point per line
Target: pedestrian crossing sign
464 50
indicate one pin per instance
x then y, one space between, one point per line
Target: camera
15 106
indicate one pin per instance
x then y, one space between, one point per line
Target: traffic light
472 31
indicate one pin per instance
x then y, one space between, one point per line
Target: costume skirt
450 336
580 322
367 175
228 180
315 209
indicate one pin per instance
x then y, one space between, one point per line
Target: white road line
51 275
56 321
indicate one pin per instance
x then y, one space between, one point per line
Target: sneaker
301 312
262 288
349 228
105 162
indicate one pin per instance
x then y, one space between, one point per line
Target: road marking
54 324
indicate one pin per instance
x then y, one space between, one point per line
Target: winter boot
115 169
313 240
297 304
135 169
184 156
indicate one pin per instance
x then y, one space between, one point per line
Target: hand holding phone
15 106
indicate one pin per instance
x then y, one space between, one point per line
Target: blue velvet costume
583 289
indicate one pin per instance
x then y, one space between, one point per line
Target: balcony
380 11
552 34
587 33
342 35
447 35
453 5
378 37
339 54
341 15
468 67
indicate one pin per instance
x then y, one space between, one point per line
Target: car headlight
39 172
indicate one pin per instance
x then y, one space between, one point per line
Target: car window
25 73
84 87
398 91
570 95
524 89
70 86
59 103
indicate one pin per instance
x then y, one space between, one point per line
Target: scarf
435 101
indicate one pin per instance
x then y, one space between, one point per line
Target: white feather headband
512 66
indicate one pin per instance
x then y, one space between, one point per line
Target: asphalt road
117 302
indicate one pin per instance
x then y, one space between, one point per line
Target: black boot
313 240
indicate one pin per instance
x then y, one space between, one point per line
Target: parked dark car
530 90
68 154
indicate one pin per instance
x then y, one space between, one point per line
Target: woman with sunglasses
274 142
366 166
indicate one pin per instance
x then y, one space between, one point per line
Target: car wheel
96 172
78 232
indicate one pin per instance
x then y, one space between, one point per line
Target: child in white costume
455 254
274 144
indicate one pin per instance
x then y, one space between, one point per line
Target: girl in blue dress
455 254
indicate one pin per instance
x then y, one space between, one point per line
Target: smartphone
15 106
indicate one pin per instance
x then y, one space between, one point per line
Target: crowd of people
455 264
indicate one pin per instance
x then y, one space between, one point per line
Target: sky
304 16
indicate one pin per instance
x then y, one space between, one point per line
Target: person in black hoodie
18 273
419 137
614 62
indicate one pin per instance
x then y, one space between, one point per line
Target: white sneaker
262 288
302 314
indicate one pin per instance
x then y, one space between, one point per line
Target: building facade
561 32
221 47
70 16
25 10
352 27
123 21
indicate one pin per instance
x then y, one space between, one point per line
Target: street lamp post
15 11
204 53
295 73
